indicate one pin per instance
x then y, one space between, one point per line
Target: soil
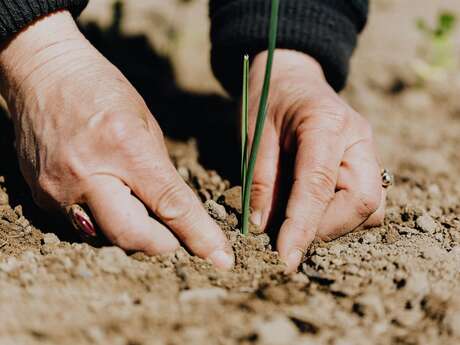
394 284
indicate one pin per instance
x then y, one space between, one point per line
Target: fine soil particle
394 284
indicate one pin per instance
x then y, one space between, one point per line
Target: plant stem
244 126
262 114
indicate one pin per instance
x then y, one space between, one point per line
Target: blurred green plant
248 166
439 51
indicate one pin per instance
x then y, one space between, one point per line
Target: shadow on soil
182 115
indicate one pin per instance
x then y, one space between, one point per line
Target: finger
379 216
265 176
360 192
317 163
125 220
168 196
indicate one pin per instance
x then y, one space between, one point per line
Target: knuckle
260 189
129 138
367 204
174 202
322 185
117 130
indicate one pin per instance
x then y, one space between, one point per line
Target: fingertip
293 260
223 259
293 240
256 218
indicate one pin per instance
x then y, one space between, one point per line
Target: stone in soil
426 224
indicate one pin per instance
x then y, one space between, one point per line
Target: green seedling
439 54
248 169
244 125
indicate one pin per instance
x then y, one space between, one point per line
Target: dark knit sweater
17 14
325 29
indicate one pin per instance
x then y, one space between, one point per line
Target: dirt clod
278 330
426 224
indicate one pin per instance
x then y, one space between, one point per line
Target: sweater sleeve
325 29
17 14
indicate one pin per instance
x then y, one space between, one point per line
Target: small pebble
232 220
370 238
51 239
336 249
279 330
391 235
426 224
232 198
405 230
215 179
215 210
18 210
184 173
321 251
4 200
204 195
22 221
438 236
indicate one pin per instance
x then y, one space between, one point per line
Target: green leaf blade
244 125
262 114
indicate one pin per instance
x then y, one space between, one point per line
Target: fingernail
293 260
85 225
256 218
222 259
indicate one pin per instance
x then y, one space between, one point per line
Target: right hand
84 135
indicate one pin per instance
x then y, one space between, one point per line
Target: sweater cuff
15 15
326 30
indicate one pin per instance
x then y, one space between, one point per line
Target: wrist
288 62
35 47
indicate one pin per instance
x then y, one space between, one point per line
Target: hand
84 135
336 182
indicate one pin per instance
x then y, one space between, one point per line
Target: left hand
336 182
